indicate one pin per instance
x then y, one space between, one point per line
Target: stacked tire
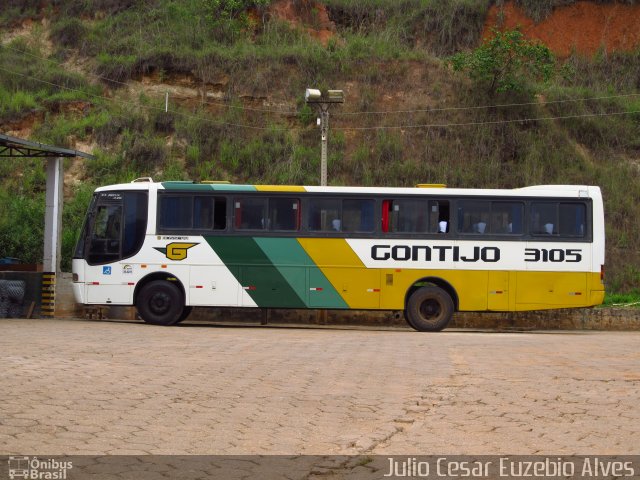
12 298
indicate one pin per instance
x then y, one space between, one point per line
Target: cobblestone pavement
104 387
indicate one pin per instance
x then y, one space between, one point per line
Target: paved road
89 387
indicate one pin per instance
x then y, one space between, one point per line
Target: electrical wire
482 107
125 84
147 107
488 122
379 112
381 127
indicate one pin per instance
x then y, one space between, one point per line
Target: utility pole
323 100
324 132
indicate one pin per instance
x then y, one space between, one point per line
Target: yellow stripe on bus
280 188
477 290
358 286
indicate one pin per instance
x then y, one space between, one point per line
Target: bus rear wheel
160 302
429 309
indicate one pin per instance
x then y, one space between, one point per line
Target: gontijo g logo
176 250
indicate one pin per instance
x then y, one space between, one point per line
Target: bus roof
531 191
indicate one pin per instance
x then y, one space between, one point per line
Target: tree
507 61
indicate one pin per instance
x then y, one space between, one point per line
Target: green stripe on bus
262 281
207 187
288 255
233 188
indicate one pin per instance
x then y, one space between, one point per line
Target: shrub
69 32
228 18
16 102
450 25
163 122
108 131
115 69
147 155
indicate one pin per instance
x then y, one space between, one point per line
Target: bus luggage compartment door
213 285
271 286
498 291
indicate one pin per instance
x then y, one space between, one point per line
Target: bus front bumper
79 292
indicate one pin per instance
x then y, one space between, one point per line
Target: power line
480 107
110 80
148 107
488 122
379 112
23 52
382 127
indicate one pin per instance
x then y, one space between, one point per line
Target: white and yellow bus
428 251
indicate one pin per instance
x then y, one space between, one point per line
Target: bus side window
439 216
203 213
357 215
176 212
572 219
251 214
474 217
209 213
506 218
324 215
406 215
284 214
220 213
544 218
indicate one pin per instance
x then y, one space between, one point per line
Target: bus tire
429 309
186 311
160 303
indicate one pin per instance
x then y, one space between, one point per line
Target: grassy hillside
92 74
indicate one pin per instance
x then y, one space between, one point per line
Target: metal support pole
52 234
324 131
53 215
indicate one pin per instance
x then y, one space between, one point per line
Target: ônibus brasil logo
34 468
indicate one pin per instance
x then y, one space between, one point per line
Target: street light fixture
323 99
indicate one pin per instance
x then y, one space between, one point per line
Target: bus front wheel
160 302
185 313
429 309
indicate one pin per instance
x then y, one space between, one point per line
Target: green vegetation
98 73
631 299
506 62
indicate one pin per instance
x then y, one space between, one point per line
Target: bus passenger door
498 291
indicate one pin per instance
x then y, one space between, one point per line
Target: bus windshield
114 228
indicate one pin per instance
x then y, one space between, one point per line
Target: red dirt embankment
310 15
583 26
